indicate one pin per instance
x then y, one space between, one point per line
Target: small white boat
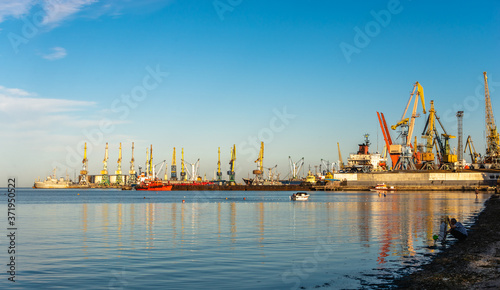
383 187
299 196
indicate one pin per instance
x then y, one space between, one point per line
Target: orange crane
388 140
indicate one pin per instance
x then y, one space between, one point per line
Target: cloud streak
58 53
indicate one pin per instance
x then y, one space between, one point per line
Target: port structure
150 163
132 179
84 171
173 168
330 167
447 159
295 167
406 160
259 172
118 172
231 172
492 137
104 171
219 173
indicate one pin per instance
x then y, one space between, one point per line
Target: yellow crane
183 172
341 163
118 171
132 179
173 168
104 171
260 166
428 134
219 173
474 156
492 136
84 171
232 163
405 161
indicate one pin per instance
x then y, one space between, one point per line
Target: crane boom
472 151
341 163
492 136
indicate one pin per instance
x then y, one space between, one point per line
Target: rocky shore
472 264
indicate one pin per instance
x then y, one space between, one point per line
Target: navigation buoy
144 197
183 201
226 197
78 194
244 198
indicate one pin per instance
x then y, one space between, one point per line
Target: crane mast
173 168
84 171
428 134
492 136
151 168
260 166
472 151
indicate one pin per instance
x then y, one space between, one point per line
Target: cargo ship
51 182
153 185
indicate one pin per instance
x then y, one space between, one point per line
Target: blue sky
208 74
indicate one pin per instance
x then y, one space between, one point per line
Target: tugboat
383 187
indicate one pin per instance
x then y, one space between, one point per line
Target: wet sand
471 264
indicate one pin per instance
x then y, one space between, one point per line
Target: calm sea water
111 239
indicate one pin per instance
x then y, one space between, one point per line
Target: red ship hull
154 186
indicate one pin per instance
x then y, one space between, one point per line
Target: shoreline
471 264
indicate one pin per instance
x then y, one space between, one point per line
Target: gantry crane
428 134
118 171
492 137
406 157
219 173
104 171
231 172
341 163
132 179
474 156
84 171
260 167
173 168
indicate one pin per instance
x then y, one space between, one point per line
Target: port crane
474 156
295 167
173 168
104 171
193 173
118 172
341 163
183 172
447 158
492 137
428 134
260 167
150 165
132 174
231 173
387 138
406 157
84 171
219 173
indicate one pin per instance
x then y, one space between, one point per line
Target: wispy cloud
58 10
58 53
14 103
14 8
14 92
